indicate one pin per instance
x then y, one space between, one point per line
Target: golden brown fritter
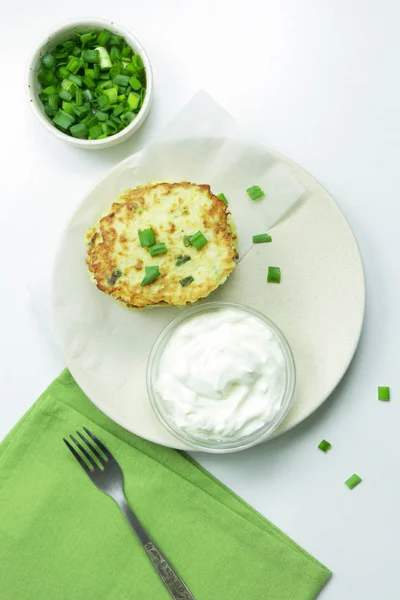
117 260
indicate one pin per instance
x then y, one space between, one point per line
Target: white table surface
318 81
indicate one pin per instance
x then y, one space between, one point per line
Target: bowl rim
34 100
194 443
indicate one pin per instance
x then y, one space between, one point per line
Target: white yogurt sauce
222 374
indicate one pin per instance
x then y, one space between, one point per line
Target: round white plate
319 304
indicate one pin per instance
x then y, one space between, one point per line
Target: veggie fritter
181 228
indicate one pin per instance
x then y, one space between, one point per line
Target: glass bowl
215 445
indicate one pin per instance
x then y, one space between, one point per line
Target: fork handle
174 584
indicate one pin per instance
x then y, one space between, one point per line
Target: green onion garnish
101 80
261 238
114 276
255 192
274 275
157 249
182 259
324 446
353 481
198 240
152 273
147 237
186 240
384 394
186 281
223 198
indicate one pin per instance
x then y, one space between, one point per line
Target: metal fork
107 476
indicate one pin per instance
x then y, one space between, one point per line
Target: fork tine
92 448
99 443
77 456
84 452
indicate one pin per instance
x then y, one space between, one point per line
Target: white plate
319 304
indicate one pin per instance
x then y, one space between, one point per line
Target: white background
318 81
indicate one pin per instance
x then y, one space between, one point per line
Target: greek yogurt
222 374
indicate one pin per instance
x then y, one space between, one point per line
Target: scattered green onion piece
274 275
223 198
186 240
152 273
147 237
182 259
63 119
114 276
122 80
324 446
186 281
353 481
112 95
79 131
198 240
90 56
104 58
255 192
103 37
262 238
384 394
49 60
157 249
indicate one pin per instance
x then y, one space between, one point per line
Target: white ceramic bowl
60 35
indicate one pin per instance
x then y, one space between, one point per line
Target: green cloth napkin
62 539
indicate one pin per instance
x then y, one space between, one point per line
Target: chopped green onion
133 100
121 80
115 54
255 192
135 83
46 77
74 65
261 238
198 240
63 72
105 60
102 116
89 82
324 446
68 107
87 37
186 240
103 37
384 394
115 40
90 56
186 281
68 86
112 95
274 275
95 132
87 94
147 237
79 131
53 102
353 481
49 60
50 90
81 111
78 97
114 276
63 119
137 62
152 273
129 116
126 51
157 249
118 110
182 259
75 79
223 198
